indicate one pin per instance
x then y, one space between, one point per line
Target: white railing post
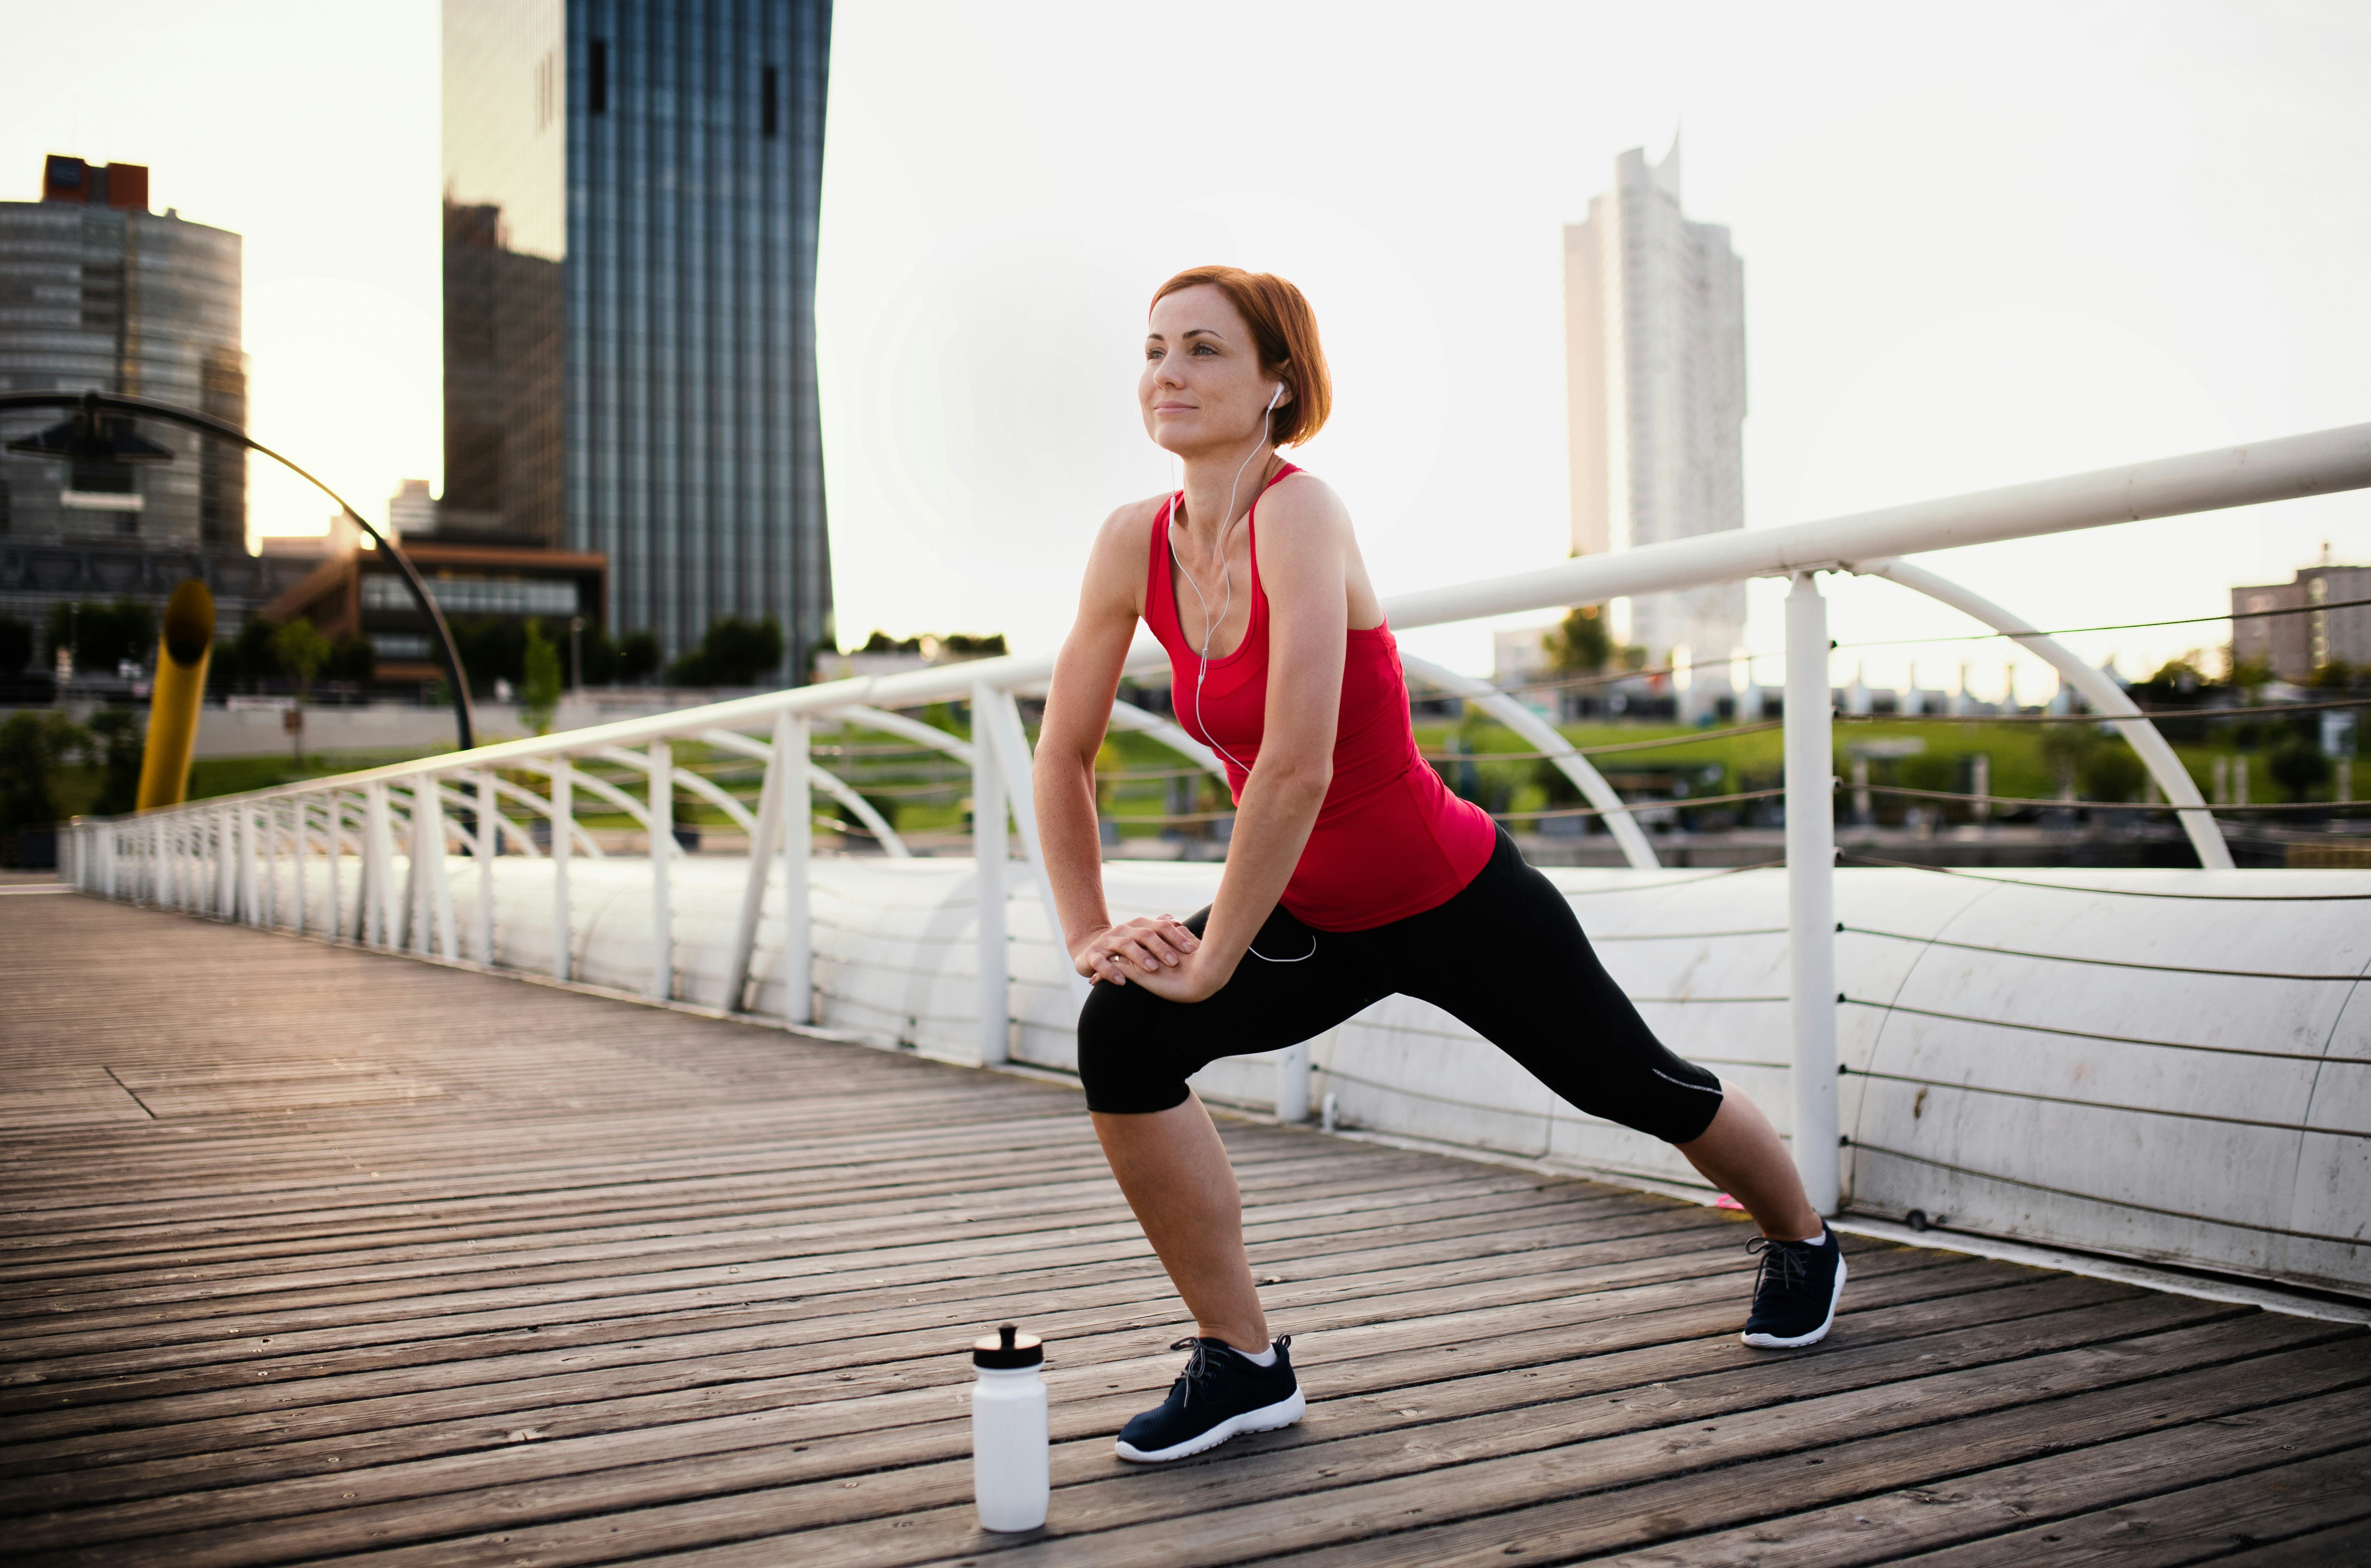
662 981
489 828
988 846
299 810
225 867
157 861
1811 891
250 910
1292 1083
563 822
433 908
379 867
783 830
1010 742
793 740
333 811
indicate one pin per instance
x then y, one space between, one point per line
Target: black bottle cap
1007 1348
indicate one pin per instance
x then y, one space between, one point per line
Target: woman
1352 873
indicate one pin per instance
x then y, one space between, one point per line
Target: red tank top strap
1251 539
1160 595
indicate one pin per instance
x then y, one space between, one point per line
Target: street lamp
90 438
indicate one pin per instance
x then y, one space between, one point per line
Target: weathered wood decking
312 1254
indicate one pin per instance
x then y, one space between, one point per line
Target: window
769 107
400 644
477 595
596 74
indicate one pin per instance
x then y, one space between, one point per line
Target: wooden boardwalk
317 1255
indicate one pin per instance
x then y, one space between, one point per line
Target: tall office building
97 294
630 198
1655 378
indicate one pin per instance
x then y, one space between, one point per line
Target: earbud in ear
1274 396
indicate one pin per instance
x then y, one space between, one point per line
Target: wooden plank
1105 1514
634 1283
2199 1522
637 1467
697 1379
1781 1499
345 1376
2345 1543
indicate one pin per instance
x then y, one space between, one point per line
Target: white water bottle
1010 1478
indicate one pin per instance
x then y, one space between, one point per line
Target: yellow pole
183 652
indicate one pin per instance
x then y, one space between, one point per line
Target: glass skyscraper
631 193
97 294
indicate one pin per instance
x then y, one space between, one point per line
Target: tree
2297 765
353 658
300 651
734 652
540 689
599 654
2067 747
2112 771
638 656
118 741
247 658
1581 644
33 747
15 645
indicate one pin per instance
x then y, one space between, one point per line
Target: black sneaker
1796 1293
1220 1394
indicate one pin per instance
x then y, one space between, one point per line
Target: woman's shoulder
1301 503
1129 529
1122 550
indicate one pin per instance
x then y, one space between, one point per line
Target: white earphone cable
1226 603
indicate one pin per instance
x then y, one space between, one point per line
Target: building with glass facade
99 293
630 198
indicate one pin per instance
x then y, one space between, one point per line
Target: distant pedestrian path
314 1254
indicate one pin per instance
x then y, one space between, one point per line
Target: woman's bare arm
1304 551
1077 707
1303 541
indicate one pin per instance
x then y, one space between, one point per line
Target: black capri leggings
1505 955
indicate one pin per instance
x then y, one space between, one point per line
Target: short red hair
1284 333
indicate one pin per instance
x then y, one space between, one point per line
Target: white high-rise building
1655 377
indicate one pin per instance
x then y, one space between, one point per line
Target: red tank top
1391 841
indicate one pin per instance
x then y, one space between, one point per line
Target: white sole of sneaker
1284 1412
1773 1341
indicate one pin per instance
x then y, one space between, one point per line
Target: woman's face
1203 391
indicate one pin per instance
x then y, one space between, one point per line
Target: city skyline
2140 239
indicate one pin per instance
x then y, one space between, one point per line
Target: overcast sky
1981 245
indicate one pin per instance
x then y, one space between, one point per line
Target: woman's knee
1121 1063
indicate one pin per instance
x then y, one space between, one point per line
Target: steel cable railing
1963 871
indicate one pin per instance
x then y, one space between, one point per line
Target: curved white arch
454 798
890 723
874 822
1627 832
579 778
1128 716
707 789
2110 699
837 788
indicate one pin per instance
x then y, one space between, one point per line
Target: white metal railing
222 857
